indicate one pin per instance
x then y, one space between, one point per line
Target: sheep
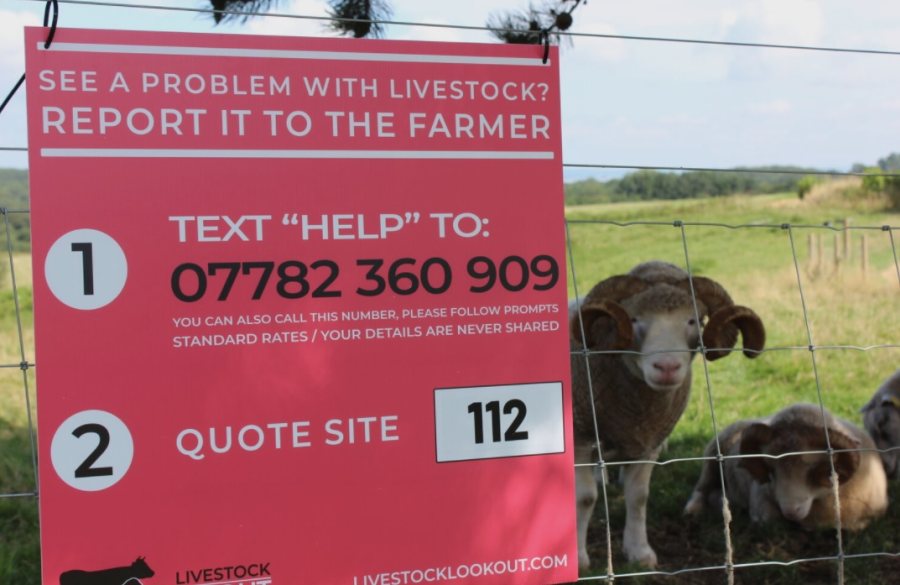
795 487
127 575
881 417
648 327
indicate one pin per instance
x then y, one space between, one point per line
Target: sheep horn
753 440
624 334
846 462
722 330
616 288
708 291
603 301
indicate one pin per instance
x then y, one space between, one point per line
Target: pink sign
300 311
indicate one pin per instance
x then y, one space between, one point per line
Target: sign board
300 311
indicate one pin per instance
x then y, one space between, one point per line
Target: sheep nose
795 512
667 367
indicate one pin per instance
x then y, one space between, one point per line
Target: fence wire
728 567
458 26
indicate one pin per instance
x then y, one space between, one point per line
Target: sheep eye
692 322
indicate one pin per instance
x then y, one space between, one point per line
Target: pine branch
529 26
239 9
362 18
359 18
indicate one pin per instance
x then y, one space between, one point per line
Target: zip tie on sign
545 41
52 32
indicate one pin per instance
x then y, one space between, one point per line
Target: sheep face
667 342
797 482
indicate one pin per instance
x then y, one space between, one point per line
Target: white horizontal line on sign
287 54
268 153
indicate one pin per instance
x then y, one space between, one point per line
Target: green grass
19 540
757 266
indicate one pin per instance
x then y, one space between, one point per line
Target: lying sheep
796 487
639 392
881 417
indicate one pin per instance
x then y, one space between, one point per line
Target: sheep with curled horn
881 417
792 479
633 339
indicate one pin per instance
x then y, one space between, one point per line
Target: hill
14 199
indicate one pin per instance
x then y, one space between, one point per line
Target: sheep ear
753 439
607 325
721 333
847 462
868 405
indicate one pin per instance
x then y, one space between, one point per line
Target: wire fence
583 234
721 456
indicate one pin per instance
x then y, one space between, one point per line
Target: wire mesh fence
804 336
830 318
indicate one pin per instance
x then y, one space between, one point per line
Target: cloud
608 50
787 22
12 43
771 107
283 26
12 66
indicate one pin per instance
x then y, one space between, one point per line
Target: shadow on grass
699 543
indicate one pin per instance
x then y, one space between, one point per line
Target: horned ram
633 339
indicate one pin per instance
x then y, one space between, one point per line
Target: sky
624 102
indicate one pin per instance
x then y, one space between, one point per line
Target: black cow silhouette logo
127 575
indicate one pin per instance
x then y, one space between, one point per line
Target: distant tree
892 189
648 184
890 163
805 185
588 191
360 18
874 180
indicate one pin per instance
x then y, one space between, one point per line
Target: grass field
19 544
841 306
848 314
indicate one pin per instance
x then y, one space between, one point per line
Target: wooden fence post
864 254
847 252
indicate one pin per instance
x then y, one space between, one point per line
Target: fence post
813 259
837 253
864 254
847 247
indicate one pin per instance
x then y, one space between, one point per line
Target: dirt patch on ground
694 550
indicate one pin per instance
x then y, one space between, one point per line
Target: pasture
845 312
19 547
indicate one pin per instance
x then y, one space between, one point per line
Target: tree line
649 184
636 186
